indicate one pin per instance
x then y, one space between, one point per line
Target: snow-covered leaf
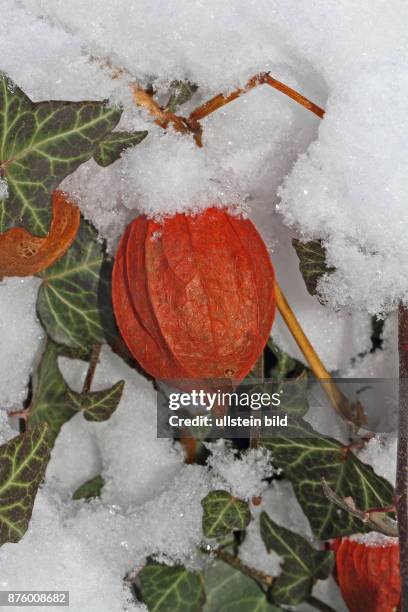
113 145
74 301
176 589
50 402
312 262
227 590
41 143
302 564
91 488
306 457
223 514
97 405
23 460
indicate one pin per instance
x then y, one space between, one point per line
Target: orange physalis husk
194 296
23 254
368 575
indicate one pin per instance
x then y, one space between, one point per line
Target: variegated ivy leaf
113 145
302 564
40 144
164 589
312 262
23 460
50 401
306 457
223 514
228 590
74 301
97 405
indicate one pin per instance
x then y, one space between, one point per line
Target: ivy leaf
306 457
284 366
23 460
170 589
50 401
228 590
40 144
74 301
183 91
312 262
91 488
294 397
302 564
97 405
112 146
223 514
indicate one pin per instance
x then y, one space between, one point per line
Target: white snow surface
21 337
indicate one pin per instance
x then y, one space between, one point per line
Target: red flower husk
194 296
368 576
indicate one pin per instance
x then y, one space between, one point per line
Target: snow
21 338
244 476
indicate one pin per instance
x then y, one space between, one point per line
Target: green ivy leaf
170 589
97 405
284 366
183 91
294 397
302 564
40 144
50 402
228 590
223 514
23 460
306 457
112 146
91 488
74 301
312 262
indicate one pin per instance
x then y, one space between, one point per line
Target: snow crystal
21 337
243 475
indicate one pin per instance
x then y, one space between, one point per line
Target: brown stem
402 454
93 362
352 413
162 117
259 79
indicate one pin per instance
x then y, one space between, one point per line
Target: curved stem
259 79
352 413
